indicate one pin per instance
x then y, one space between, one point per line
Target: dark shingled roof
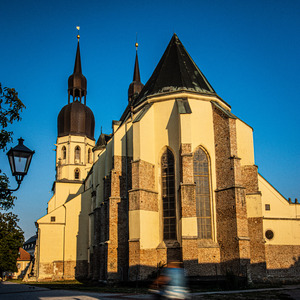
175 71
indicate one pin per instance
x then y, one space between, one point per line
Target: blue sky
248 50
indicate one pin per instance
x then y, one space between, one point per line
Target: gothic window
77 174
89 156
77 154
168 195
63 152
203 205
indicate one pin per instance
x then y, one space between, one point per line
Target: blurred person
171 284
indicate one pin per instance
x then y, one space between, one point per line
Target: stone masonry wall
142 196
189 245
255 225
283 261
232 223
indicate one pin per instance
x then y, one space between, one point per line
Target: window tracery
168 195
203 202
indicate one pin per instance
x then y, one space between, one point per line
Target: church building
175 180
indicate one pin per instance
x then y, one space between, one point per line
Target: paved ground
10 290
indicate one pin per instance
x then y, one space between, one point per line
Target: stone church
174 180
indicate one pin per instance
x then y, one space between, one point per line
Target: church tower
75 124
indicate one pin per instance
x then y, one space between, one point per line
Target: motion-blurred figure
171 284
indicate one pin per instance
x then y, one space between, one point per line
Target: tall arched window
77 174
203 207
63 152
77 154
168 195
89 156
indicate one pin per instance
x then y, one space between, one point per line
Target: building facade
175 180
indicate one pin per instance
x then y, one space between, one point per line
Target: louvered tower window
89 155
77 154
168 195
64 152
76 174
203 207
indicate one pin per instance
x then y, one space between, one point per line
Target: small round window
269 234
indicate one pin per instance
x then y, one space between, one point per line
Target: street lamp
19 159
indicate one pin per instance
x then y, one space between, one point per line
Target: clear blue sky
248 50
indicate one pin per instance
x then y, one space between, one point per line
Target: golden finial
136 43
78 36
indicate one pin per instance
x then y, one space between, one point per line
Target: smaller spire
136 86
77 83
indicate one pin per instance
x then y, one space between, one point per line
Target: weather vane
78 36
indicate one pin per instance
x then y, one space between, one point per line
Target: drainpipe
64 238
127 198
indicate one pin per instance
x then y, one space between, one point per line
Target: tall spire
77 83
136 86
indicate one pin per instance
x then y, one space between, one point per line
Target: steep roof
175 71
24 255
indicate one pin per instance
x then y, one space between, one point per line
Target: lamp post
19 159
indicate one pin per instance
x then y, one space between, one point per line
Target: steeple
175 71
77 83
76 118
136 86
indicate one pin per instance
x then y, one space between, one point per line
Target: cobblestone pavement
288 293
14 291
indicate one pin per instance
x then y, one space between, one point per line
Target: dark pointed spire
77 66
175 71
77 83
136 86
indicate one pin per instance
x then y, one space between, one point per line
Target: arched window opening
89 156
63 152
168 195
77 154
77 174
203 205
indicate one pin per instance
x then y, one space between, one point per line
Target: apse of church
175 180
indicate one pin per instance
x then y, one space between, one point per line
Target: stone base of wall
57 270
283 262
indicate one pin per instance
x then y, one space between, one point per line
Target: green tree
10 108
11 239
11 235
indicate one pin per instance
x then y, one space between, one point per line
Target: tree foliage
11 235
11 239
10 108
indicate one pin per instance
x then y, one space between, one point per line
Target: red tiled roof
24 255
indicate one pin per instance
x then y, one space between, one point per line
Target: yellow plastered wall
279 206
51 238
109 155
283 218
286 232
254 206
202 134
76 232
62 192
163 126
99 174
144 138
122 140
68 165
66 238
245 149
142 225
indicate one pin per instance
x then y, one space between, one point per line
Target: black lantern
19 159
